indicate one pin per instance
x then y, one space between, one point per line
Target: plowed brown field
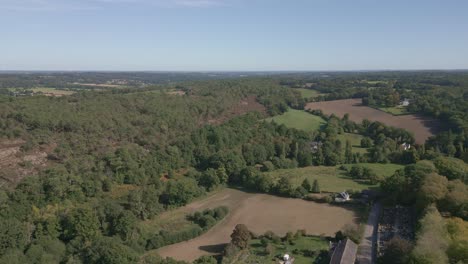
422 127
260 213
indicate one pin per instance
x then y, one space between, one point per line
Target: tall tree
240 237
315 186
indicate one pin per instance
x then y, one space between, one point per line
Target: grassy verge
396 110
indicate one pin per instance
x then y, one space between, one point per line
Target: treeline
383 142
383 98
127 79
438 239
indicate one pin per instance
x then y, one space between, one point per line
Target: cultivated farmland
260 213
421 127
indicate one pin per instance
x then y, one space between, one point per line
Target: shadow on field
216 248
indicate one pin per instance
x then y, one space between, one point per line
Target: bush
352 232
205 260
165 238
230 250
208 217
319 198
300 192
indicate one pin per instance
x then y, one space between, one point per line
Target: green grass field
299 119
332 179
385 170
396 110
311 243
355 141
308 93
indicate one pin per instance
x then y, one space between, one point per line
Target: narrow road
367 252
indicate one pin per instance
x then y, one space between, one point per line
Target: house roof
344 253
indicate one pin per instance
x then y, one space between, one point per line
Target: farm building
405 146
342 197
404 102
287 259
315 146
344 252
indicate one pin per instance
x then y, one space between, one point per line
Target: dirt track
421 127
260 212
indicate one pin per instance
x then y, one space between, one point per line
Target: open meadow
332 179
260 213
308 93
299 119
422 127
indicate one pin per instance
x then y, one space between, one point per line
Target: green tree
13 234
210 179
124 224
316 186
284 186
366 142
431 239
356 172
433 189
81 222
397 251
222 175
106 250
306 185
241 236
205 260
348 152
13 256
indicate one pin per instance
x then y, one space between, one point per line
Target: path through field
260 213
422 127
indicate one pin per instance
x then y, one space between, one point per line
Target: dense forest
67 206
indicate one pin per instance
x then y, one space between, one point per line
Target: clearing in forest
308 93
260 213
355 140
422 127
299 119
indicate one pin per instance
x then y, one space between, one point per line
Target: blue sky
238 35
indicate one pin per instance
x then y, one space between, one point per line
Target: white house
287 259
404 102
405 146
342 197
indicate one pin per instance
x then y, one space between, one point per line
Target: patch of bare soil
16 164
260 213
246 105
422 127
